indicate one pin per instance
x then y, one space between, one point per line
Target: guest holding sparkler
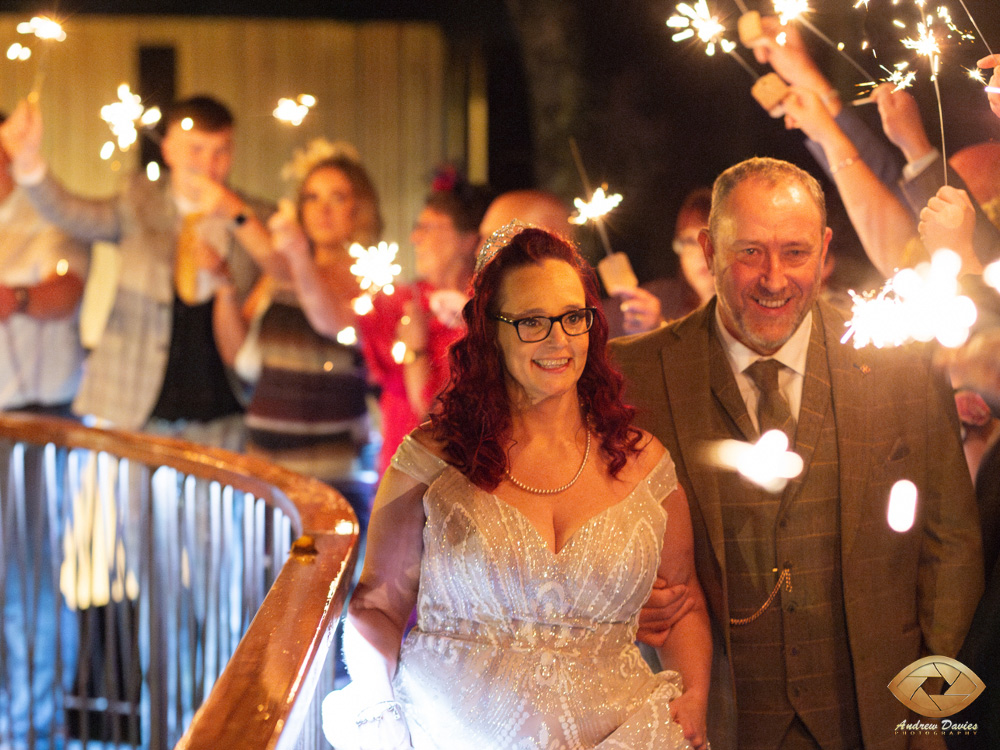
294 338
405 337
182 240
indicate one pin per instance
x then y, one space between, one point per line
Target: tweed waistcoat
793 660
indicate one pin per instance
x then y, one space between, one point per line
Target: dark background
653 118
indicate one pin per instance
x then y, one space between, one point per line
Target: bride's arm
688 648
387 592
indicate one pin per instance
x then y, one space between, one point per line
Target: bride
527 522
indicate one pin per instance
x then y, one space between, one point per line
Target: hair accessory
499 240
446 179
317 150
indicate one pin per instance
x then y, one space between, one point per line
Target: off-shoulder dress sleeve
416 461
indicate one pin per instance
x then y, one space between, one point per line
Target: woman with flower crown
405 337
527 521
308 411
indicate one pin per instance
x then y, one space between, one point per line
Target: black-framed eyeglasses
538 327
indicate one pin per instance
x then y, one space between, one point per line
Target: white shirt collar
792 353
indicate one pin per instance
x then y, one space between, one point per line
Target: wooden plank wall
382 86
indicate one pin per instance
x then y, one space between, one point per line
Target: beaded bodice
520 647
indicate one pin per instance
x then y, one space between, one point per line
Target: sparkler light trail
767 463
294 111
122 117
375 267
916 304
697 21
48 30
599 206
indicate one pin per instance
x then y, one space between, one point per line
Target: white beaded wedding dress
516 647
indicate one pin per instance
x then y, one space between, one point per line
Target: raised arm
688 648
884 225
86 219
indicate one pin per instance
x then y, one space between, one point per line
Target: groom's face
767 256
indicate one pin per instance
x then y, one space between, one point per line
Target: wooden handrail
261 699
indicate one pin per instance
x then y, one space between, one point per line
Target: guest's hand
804 110
992 61
216 199
948 220
791 60
640 310
287 236
21 136
412 328
690 711
976 366
901 121
664 608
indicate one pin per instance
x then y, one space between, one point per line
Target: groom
816 602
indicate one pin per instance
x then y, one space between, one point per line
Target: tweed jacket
905 594
124 373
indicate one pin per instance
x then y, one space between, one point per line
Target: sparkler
48 30
697 21
975 25
376 269
600 205
294 111
767 463
122 117
916 304
796 10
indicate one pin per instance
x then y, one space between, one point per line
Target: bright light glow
153 171
43 27
976 75
991 274
902 505
17 51
789 10
62 267
767 463
917 304
187 123
107 150
294 112
376 267
122 117
696 19
348 336
600 205
362 305
398 352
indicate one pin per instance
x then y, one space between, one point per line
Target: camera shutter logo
962 686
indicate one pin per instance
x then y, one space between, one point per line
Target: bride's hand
689 711
664 608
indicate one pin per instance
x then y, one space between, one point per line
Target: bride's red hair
472 414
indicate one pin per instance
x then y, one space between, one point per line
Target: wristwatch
240 219
22 296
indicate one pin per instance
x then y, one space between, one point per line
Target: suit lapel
690 398
852 384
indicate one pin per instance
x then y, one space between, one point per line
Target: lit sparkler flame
17 51
767 463
600 205
789 10
375 267
43 27
900 76
697 20
976 75
122 117
294 111
917 304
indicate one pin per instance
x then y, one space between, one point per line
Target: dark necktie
773 412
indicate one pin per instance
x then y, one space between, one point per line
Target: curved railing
191 540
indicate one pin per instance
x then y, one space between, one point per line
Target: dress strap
414 460
662 480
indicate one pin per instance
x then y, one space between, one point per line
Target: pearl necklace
570 483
